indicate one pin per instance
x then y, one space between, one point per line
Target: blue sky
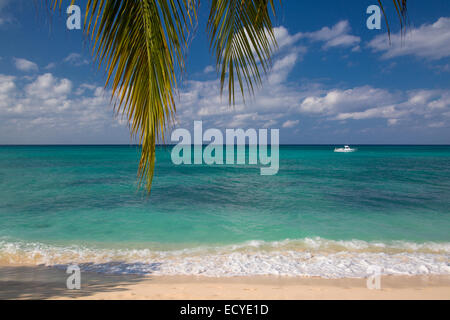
333 80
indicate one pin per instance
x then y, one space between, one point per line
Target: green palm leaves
243 40
141 44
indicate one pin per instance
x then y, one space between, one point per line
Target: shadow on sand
41 282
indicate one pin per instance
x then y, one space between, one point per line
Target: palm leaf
401 9
141 43
243 41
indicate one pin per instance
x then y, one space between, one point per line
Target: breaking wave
309 257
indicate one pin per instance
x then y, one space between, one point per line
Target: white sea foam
309 257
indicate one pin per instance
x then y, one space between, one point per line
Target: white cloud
25 65
441 103
6 84
76 59
85 87
7 90
284 106
48 104
350 99
50 66
209 69
336 36
283 66
371 103
429 41
389 112
290 123
284 38
47 87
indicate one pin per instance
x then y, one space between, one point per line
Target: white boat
344 149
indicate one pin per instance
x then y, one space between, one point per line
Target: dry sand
22 282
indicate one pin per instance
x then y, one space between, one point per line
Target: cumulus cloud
25 65
50 66
209 69
290 123
284 38
48 87
76 59
6 83
282 67
429 41
349 100
371 103
336 36
284 106
50 104
7 89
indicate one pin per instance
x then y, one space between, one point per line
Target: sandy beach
23 282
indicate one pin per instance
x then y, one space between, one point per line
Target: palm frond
401 9
243 41
141 43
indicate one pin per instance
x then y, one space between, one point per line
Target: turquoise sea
324 214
